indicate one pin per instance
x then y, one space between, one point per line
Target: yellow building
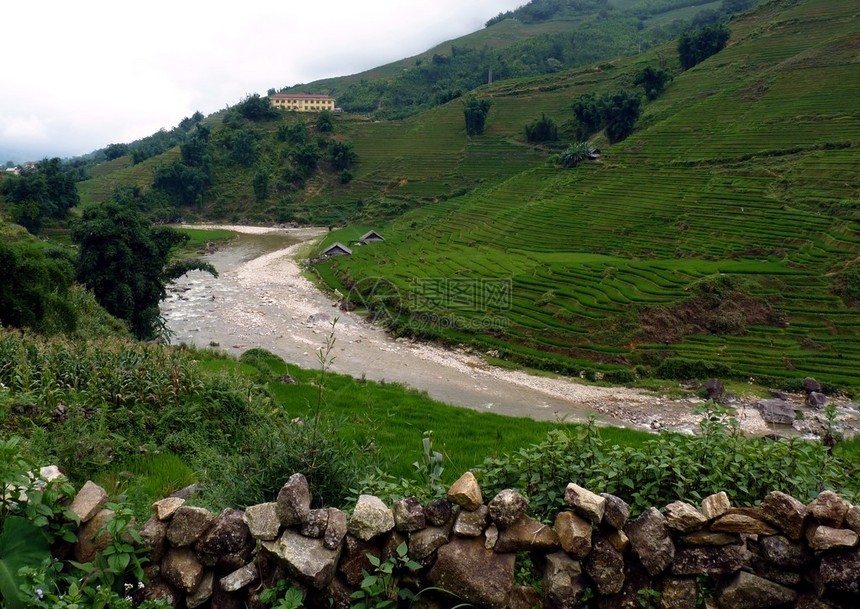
302 102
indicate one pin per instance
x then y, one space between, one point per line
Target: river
262 299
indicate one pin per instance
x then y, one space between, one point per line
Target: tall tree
475 112
33 287
653 80
325 122
696 46
47 191
124 259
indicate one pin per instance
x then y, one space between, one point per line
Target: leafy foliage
696 46
325 122
574 154
476 111
670 467
187 180
256 108
34 287
123 259
543 129
653 80
616 112
46 192
342 155
381 589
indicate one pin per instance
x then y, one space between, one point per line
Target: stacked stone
783 554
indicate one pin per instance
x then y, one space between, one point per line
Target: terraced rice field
748 166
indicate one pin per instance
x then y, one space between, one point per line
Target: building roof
372 236
337 246
300 96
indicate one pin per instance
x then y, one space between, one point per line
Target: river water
262 299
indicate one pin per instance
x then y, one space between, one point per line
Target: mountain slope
541 37
722 237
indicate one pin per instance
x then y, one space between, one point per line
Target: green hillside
540 37
740 186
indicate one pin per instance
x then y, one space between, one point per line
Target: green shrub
275 450
670 467
686 369
621 377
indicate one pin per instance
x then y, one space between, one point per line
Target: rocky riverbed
263 299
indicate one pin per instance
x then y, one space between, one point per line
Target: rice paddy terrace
747 168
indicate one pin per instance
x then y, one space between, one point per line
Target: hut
337 249
370 237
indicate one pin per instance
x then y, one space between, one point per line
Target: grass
742 168
199 238
388 420
145 478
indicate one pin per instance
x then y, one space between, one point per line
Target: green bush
621 377
670 467
686 369
276 449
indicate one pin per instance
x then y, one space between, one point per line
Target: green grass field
747 167
389 420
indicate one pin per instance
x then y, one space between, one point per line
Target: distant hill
541 37
722 238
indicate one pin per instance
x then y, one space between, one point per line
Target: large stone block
426 541
228 534
188 525
409 515
820 537
784 512
262 520
742 523
784 552
91 538
714 506
574 534
563 585
507 507
371 517
471 524
605 566
165 508
748 591
154 536
182 570
683 517
840 571
776 411
616 512
88 501
829 509
466 492
585 503
649 538
527 535
467 569
305 558
712 560
294 501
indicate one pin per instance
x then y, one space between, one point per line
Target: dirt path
263 299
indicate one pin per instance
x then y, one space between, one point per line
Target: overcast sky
77 76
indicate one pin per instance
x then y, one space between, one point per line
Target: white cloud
23 128
78 76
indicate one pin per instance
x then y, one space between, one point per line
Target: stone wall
782 554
